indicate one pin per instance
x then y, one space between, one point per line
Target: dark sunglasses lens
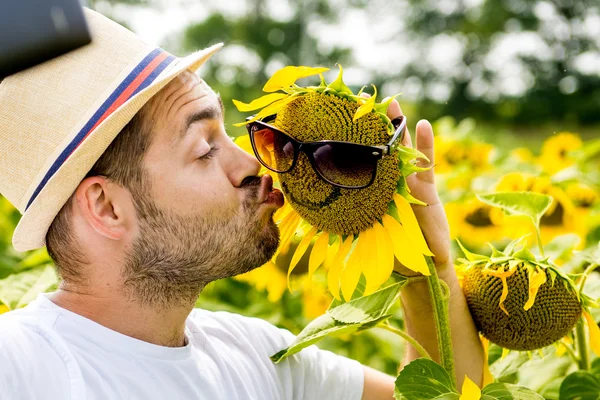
273 148
345 164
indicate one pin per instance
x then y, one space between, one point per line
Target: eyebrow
208 113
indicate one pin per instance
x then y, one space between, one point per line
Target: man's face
204 213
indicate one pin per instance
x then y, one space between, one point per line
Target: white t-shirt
47 352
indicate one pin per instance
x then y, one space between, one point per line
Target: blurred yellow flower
268 277
522 154
3 309
451 153
561 217
555 154
474 222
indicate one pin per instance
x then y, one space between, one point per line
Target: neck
160 325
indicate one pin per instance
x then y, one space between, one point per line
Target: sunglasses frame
377 152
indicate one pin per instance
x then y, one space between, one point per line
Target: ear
102 204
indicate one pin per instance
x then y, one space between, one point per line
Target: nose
241 165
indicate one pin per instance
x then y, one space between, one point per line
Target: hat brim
31 231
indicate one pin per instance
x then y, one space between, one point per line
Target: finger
394 111
425 144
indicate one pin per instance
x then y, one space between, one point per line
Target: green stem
587 271
580 336
439 302
582 346
408 338
539 240
571 353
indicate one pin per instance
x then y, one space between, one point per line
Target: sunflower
351 232
474 222
459 155
559 219
518 301
557 151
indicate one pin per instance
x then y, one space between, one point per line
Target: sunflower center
479 217
555 218
319 116
554 313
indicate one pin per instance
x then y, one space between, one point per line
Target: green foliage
358 314
20 289
532 205
580 385
425 380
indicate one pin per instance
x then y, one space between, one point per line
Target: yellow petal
300 250
366 107
594 333
271 109
537 278
244 143
487 375
288 228
377 274
351 274
318 253
332 252
403 247
261 102
370 260
337 266
505 352
470 391
502 274
409 221
286 77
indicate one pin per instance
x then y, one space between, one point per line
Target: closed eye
211 153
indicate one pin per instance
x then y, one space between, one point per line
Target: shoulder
238 328
33 365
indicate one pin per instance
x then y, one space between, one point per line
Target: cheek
198 189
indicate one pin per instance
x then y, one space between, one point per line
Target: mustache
251 184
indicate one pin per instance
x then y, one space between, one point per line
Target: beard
174 257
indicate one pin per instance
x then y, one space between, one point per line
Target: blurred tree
518 60
257 45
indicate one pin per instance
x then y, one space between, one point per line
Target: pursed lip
267 194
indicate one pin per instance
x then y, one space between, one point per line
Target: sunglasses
343 164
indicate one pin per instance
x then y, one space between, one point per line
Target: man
118 158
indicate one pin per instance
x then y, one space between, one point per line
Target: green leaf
35 258
424 379
367 308
506 391
357 314
338 85
532 205
20 289
580 385
314 332
470 256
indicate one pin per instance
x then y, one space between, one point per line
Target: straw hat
57 119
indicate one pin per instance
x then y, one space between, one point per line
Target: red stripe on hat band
127 92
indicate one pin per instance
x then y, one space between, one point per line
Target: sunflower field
491 249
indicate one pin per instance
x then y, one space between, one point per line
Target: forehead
183 97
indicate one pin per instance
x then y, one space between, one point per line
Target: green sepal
338 84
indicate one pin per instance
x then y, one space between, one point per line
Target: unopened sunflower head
348 216
517 301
